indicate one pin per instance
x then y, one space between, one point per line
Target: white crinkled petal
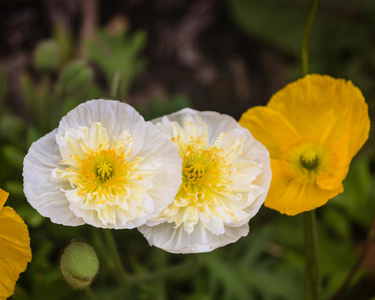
227 220
226 123
258 152
149 142
150 188
177 240
45 196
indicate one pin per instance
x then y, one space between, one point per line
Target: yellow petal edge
15 251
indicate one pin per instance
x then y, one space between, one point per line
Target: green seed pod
47 56
76 77
79 265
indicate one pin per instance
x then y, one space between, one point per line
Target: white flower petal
44 195
200 240
110 168
226 177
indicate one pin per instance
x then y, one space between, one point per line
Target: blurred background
222 55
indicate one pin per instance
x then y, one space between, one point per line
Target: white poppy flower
104 165
226 175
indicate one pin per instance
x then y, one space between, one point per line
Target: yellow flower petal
312 128
271 128
290 195
3 198
337 167
326 108
15 250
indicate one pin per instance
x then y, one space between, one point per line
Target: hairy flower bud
79 264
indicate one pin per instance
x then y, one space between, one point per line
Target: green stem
183 268
306 36
312 272
311 238
116 84
90 293
116 257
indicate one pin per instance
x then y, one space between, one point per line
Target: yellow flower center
309 159
103 171
202 173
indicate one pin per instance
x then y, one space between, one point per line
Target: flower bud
79 264
47 56
76 77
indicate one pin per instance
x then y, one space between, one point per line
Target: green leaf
356 199
15 188
160 107
119 53
13 156
64 40
11 126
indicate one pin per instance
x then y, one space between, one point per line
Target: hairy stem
116 257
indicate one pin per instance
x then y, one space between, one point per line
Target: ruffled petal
325 108
47 196
291 195
177 240
152 145
148 168
337 167
271 128
3 198
15 250
226 124
194 223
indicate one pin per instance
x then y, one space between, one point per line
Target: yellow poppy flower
312 128
15 250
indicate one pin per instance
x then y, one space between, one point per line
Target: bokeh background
222 55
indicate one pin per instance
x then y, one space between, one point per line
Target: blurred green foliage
269 263
341 42
118 53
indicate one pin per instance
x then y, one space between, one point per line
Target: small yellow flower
15 250
312 129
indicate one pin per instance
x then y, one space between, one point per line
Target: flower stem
306 36
116 257
370 237
183 268
311 238
313 285
116 84
90 294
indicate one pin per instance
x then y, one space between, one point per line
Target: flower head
225 178
312 129
15 250
101 166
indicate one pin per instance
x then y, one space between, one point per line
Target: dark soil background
193 48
